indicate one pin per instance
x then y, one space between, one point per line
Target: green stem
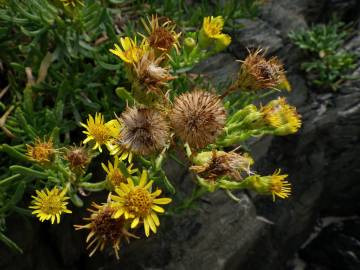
9 179
99 186
27 171
11 244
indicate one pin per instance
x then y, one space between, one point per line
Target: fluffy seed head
144 130
198 118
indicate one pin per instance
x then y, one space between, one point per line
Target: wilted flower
49 205
211 31
198 118
162 37
105 230
144 130
215 164
138 203
78 157
150 73
113 173
257 73
41 151
130 52
281 116
274 184
99 131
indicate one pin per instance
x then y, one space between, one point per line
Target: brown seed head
198 118
144 130
257 73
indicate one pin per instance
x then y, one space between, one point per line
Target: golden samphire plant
163 118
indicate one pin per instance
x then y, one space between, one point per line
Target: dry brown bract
198 118
257 73
144 130
78 157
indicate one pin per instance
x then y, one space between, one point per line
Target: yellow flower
114 175
72 3
281 116
41 151
100 132
130 52
49 205
278 186
138 203
274 184
212 30
104 229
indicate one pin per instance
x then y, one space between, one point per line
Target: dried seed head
78 157
198 118
144 130
150 73
211 165
104 229
257 73
42 151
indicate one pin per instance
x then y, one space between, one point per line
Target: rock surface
322 161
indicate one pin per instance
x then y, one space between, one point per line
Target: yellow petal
146 228
134 223
158 208
162 200
155 218
151 223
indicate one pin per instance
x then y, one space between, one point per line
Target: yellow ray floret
279 186
100 132
129 51
114 175
137 202
50 204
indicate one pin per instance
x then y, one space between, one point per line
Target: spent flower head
215 164
150 74
104 229
78 157
50 204
138 203
144 130
198 117
258 73
162 36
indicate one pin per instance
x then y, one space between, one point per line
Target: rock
255 34
336 246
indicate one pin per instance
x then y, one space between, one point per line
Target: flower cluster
163 115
